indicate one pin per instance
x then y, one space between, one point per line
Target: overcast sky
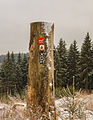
72 19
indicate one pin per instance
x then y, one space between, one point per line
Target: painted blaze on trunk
40 99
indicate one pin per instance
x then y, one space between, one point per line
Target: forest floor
15 109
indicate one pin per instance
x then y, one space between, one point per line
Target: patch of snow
21 104
47 28
47 41
50 116
63 113
2 107
50 84
49 67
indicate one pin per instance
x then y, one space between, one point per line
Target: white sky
72 19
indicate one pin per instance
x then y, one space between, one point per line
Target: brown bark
40 100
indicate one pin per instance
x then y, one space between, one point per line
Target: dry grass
88 99
15 109
82 98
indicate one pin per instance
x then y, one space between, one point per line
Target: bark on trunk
40 100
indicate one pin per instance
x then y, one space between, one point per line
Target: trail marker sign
42 57
41 47
41 90
41 41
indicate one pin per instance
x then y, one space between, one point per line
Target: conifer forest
73 72
67 63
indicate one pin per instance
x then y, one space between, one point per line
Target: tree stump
40 98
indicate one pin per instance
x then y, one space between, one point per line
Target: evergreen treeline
13 74
72 62
2 57
67 63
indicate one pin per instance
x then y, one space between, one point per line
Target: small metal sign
41 57
41 47
41 41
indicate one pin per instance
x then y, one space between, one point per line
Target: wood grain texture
40 100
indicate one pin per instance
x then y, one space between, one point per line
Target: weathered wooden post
40 100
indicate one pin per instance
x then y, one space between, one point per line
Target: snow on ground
63 114
16 110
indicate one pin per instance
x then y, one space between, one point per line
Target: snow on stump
40 100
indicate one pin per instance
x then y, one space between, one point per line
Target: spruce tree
19 76
24 68
13 74
73 64
56 67
19 79
91 73
5 74
8 74
8 56
12 57
3 78
19 59
62 64
86 63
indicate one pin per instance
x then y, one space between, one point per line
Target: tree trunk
40 100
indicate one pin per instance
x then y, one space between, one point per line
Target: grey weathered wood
40 99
